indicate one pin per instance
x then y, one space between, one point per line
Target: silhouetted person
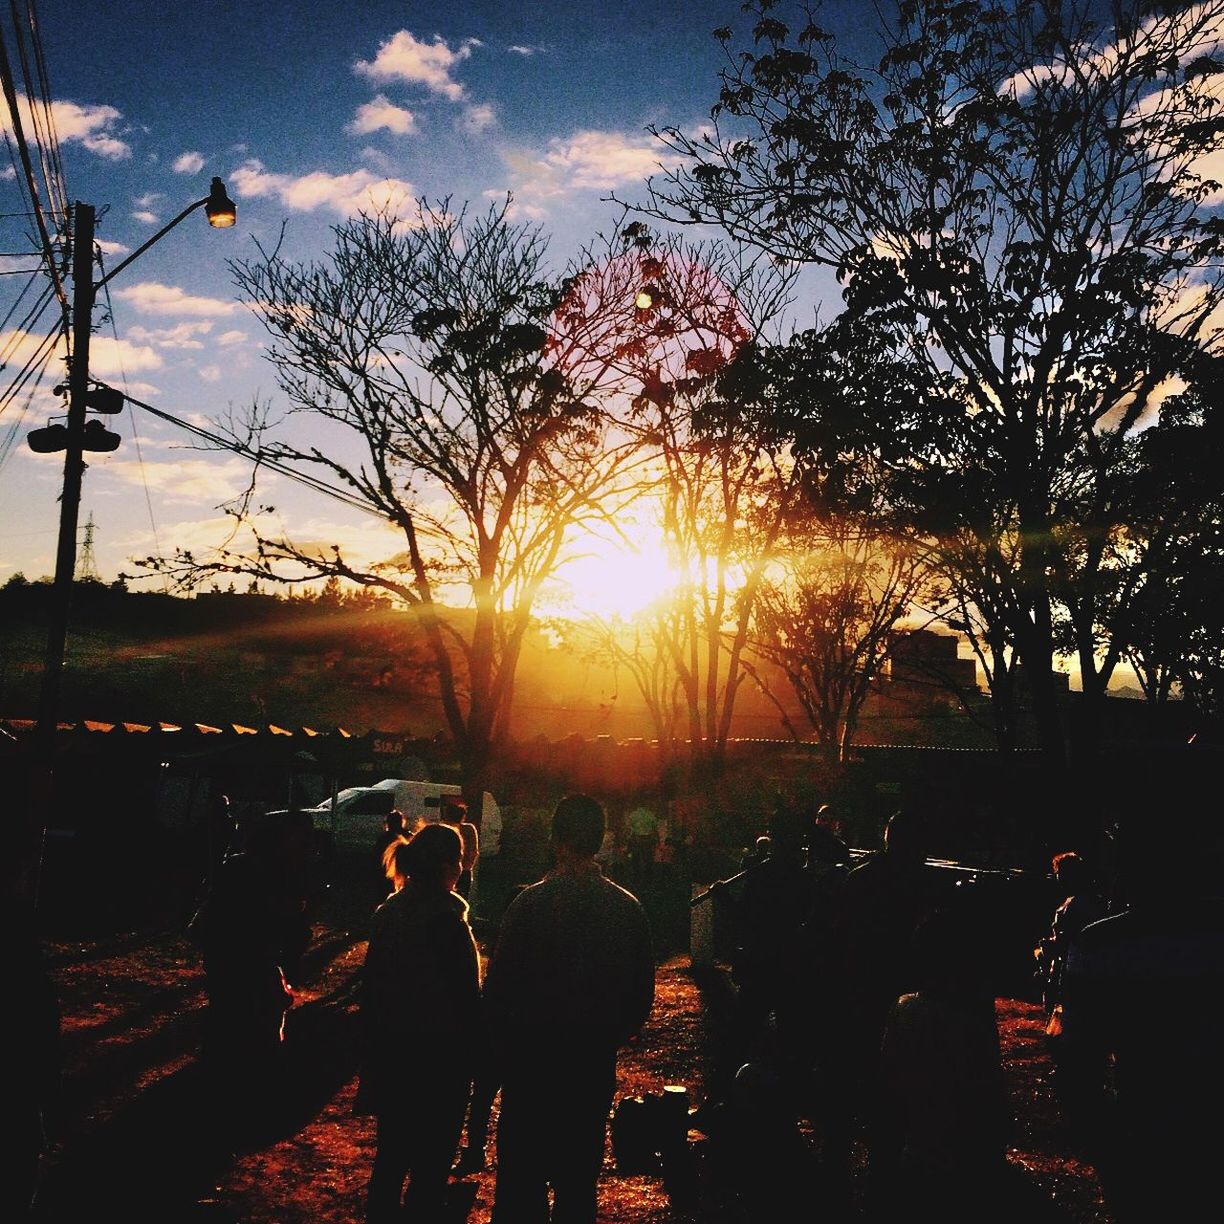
1143 990
774 904
870 947
570 981
941 1126
420 1012
455 813
221 829
1081 904
249 925
394 830
825 841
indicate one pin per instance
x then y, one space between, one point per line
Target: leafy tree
829 620
420 380
659 320
1175 617
1018 202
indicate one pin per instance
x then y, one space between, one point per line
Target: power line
23 149
57 187
135 433
265 461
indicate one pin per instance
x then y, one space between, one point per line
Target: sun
609 579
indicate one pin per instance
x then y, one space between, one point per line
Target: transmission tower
87 567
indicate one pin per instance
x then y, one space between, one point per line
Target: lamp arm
140 250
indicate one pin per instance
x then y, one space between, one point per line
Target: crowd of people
864 1004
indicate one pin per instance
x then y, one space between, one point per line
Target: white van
361 811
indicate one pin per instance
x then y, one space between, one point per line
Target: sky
305 109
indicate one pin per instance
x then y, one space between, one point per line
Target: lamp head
221 211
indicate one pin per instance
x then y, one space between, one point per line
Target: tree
1175 617
659 320
1018 203
420 377
829 621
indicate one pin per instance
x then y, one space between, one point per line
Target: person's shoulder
615 894
528 897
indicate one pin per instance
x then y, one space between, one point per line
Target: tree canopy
420 351
1019 203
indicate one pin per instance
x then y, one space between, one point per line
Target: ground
133 1142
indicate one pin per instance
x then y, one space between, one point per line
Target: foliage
659 319
1018 203
419 376
829 619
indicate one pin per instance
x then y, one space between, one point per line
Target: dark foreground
136 1141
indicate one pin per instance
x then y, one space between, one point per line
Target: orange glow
611 578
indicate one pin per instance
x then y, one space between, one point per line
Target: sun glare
614 580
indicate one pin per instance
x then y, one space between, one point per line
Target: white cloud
477 118
143 390
518 211
150 297
210 373
89 126
378 159
228 338
524 51
145 218
190 162
8 174
16 264
195 479
22 346
402 58
346 194
382 113
148 199
181 336
587 160
112 248
110 358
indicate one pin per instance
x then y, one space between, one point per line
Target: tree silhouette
419 376
1018 202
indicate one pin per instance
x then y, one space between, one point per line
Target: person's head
1071 872
787 830
578 827
395 821
824 846
453 811
905 837
431 858
827 818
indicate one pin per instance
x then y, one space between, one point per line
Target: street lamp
76 436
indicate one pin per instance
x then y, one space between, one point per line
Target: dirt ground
135 1143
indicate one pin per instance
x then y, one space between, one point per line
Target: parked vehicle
360 812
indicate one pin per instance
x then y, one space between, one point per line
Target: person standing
1142 993
868 946
643 830
455 814
570 981
420 1014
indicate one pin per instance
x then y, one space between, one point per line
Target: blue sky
303 109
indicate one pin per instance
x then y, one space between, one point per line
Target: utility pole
76 437
74 468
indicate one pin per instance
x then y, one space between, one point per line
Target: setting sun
614 579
